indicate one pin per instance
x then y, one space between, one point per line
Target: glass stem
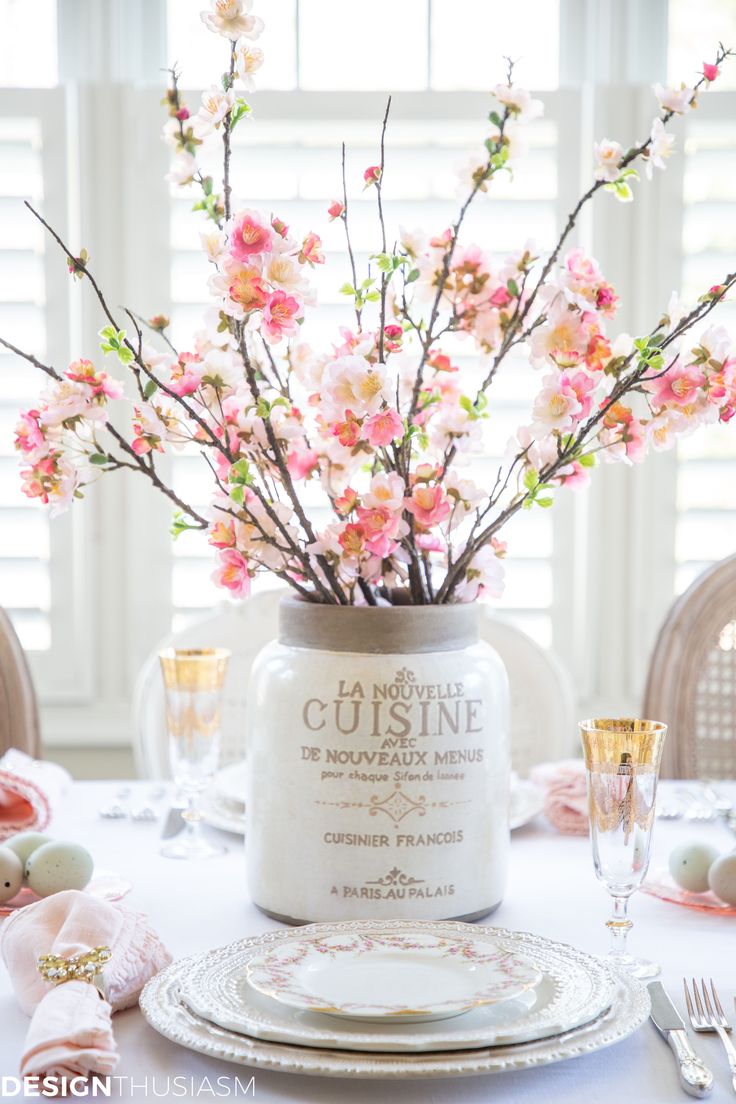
619 926
192 817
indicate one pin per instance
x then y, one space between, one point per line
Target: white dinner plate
164 1010
527 802
374 973
229 783
575 988
220 815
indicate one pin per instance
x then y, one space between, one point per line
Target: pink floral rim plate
105 886
376 976
661 884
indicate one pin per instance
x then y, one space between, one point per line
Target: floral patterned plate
375 975
661 884
106 886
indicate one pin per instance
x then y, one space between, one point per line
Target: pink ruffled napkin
30 790
71 1032
565 794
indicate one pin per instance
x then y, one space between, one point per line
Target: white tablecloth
552 890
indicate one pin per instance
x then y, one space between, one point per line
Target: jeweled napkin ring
87 966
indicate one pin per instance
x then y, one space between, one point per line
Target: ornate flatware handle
695 1076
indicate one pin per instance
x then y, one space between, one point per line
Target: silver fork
705 1016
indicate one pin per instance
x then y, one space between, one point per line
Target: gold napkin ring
87 966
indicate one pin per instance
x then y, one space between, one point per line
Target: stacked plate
224 803
394 999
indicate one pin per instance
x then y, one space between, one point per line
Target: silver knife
174 822
695 1076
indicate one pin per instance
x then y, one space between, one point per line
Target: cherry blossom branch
226 138
379 190
138 462
351 255
81 266
285 475
624 385
632 155
479 181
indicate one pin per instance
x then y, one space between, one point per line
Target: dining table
552 890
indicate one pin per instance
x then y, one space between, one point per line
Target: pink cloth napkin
71 1031
565 794
30 789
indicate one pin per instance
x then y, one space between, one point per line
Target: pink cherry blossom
280 316
677 100
248 235
372 175
710 72
233 573
429 505
387 489
556 407
28 433
608 160
483 577
311 251
383 428
232 19
301 461
336 210
681 384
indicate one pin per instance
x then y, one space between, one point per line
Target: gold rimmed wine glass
194 679
622 758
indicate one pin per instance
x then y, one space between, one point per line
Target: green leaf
531 478
413 275
239 111
125 355
620 189
107 332
237 494
240 472
98 458
495 118
347 289
373 297
513 288
180 525
545 502
207 185
150 389
587 460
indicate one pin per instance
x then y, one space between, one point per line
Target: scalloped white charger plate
163 1008
574 989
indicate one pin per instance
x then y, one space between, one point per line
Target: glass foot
197 848
640 968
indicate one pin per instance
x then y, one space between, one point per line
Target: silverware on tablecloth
174 822
695 1076
117 809
707 1016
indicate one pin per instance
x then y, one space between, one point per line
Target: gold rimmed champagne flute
194 679
622 758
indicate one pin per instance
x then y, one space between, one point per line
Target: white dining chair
542 704
541 692
692 678
19 725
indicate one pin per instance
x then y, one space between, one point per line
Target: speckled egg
722 878
57 865
26 842
11 874
690 863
